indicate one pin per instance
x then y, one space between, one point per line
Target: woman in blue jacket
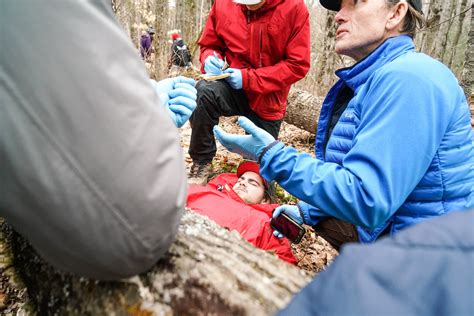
394 144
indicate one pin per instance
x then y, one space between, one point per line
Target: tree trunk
432 27
444 32
162 48
303 110
329 60
208 270
457 33
468 72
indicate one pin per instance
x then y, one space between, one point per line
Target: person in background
264 47
91 170
180 56
146 43
242 201
393 145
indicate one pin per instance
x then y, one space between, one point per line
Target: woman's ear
396 16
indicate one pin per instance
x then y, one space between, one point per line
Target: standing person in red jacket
242 201
264 45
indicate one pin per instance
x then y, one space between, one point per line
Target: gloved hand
290 210
178 95
213 65
249 146
235 79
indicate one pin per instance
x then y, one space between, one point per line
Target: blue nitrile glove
292 211
213 65
235 79
178 95
182 103
249 146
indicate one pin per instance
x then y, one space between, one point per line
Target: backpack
180 54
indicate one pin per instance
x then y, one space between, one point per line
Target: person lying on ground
242 201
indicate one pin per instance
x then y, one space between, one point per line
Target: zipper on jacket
248 16
344 95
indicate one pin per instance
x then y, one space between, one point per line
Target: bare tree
458 31
160 11
443 34
433 20
468 72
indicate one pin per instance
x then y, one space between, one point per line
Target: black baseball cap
335 5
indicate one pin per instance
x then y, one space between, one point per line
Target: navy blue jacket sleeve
427 269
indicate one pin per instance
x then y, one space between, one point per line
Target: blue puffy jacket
401 152
408 274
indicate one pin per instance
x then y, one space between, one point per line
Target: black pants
336 232
216 99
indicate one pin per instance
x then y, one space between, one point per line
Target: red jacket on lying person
218 201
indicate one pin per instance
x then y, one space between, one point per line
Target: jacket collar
390 49
269 5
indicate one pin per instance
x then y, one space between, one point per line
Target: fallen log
303 110
208 270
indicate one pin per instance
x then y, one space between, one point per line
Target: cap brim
333 5
418 5
247 2
250 166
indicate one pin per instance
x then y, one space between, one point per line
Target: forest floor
313 252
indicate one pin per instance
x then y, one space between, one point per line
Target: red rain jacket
271 46
227 209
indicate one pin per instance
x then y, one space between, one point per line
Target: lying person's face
250 188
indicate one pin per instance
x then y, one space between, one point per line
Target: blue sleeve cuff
304 212
268 149
310 214
301 213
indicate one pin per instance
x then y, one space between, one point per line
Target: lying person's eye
254 183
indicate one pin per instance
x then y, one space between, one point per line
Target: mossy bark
303 110
207 271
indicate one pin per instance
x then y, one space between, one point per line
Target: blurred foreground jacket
427 269
91 171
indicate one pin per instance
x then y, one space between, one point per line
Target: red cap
175 36
250 166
